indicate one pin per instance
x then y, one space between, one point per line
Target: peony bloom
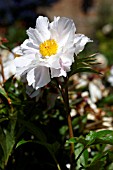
49 51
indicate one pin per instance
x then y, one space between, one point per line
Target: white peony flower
49 51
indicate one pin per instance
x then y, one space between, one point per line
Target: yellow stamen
48 48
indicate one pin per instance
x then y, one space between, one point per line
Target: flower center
48 48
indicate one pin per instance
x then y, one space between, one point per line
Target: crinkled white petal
66 60
58 72
63 31
9 69
41 76
50 61
80 41
41 32
31 77
42 27
60 30
23 61
65 64
28 47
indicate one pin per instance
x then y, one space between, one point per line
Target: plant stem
71 135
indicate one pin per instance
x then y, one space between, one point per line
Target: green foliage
83 64
32 133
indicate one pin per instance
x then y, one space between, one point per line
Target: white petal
42 77
17 50
23 61
58 72
31 77
52 61
80 42
42 27
9 69
60 30
67 59
28 47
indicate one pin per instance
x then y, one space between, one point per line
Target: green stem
71 135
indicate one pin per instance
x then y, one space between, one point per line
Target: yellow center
48 48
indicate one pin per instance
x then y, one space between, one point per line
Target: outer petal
28 47
42 27
80 41
24 61
58 72
63 30
38 77
41 32
60 29
24 64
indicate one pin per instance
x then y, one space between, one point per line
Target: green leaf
93 138
21 142
7 139
3 93
85 69
83 159
83 64
34 130
90 138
